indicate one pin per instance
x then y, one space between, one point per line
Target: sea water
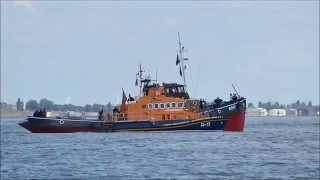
269 148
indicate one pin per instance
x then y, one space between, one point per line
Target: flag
180 72
123 103
136 82
124 98
178 60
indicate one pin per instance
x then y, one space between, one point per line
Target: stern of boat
236 119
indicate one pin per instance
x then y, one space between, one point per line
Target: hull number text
205 124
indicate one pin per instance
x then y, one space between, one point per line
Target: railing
173 115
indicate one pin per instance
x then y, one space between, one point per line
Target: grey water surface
269 148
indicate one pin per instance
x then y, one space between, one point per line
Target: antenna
139 77
157 76
235 89
181 64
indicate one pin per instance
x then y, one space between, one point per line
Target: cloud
24 4
171 21
68 100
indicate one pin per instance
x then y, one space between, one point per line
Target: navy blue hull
228 118
47 125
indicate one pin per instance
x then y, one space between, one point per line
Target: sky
84 52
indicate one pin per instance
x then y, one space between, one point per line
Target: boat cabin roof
168 89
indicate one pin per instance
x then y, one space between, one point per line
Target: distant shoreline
24 114
13 114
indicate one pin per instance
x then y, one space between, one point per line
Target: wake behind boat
159 107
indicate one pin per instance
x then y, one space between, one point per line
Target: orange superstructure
156 102
160 102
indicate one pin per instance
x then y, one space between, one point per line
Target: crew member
130 98
36 113
100 117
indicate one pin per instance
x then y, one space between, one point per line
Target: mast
139 79
181 64
142 79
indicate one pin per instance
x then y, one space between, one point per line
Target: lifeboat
158 107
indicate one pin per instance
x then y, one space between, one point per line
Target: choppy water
269 148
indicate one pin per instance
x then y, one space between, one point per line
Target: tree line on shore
49 105
276 105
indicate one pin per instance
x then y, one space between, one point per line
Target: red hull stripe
236 122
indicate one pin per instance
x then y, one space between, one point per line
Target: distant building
303 112
20 105
3 105
91 114
256 112
7 106
313 110
277 112
291 112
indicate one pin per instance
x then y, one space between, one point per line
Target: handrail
150 115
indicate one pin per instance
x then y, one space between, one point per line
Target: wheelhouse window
180 104
156 106
150 106
168 105
161 105
180 90
175 90
173 105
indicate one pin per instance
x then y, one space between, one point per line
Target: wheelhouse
175 90
167 89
